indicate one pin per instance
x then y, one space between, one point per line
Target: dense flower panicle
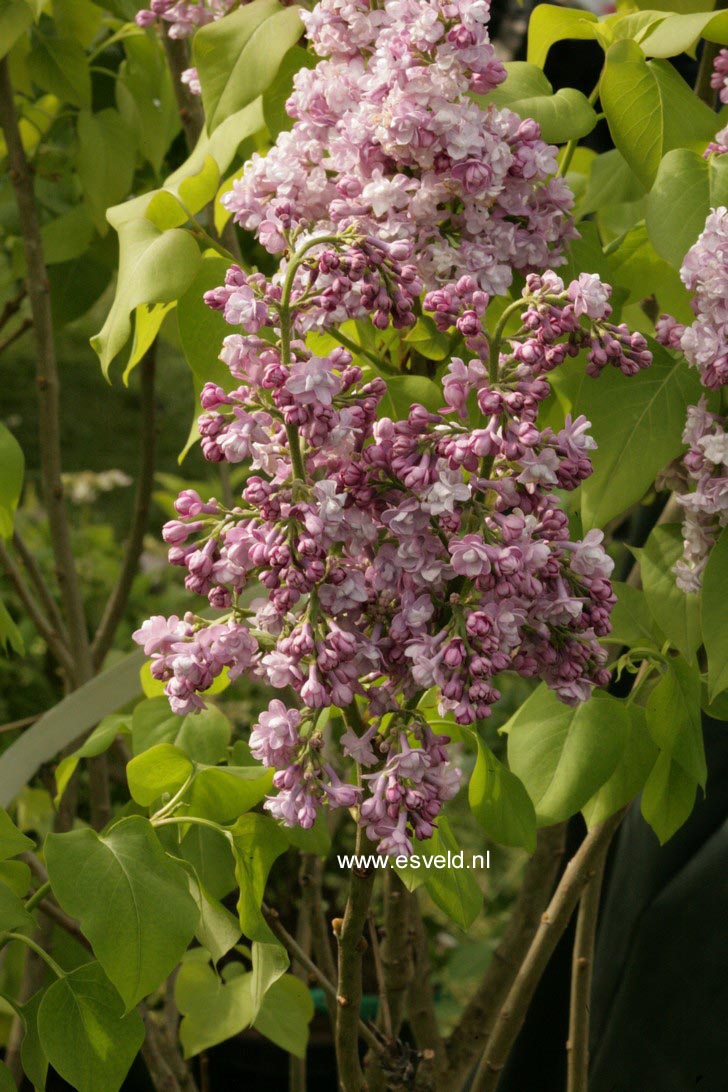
393 556
705 344
719 78
388 137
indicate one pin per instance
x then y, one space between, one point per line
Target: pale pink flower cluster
388 137
705 344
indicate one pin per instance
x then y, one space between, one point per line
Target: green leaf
681 33
223 793
631 620
638 422
172 205
677 614
210 854
201 330
500 803
12 472
12 842
258 842
203 736
147 324
97 743
59 65
16 874
7 1081
32 1055
550 23
68 236
275 98
161 769
217 930
686 188
404 390
650 109
146 99
66 721
285 1014
105 162
316 840
637 266
84 1032
611 182
567 115
713 599
454 890
523 81
15 19
10 635
13 915
633 768
668 797
237 58
564 754
154 267
127 870
674 718
77 285
224 142
211 1012
427 340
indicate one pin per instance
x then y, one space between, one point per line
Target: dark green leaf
668 796
500 803
686 188
105 162
285 1014
203 736
564 754
12 471
124 872
674 718
635 763
59 65
84 1032
274 99
677 614
638 423
12 842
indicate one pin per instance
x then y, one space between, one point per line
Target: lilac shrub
394 556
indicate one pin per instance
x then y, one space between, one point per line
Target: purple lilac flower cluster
388 137
719 79
705 344
397 556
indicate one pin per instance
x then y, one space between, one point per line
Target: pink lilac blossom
396 556
719 79
705 344
388 137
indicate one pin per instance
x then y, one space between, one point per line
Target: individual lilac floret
275 737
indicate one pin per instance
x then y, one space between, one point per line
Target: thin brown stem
351 950
582 966
114 609
47 379
25 325
189 108
553 924
43 624
11 307
40 584
297 953
474 1026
